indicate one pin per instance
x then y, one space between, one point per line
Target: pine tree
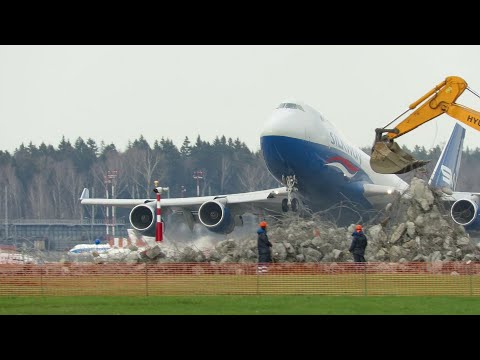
186 149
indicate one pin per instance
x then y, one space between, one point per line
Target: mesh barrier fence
67 279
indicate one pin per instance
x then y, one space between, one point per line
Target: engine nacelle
142 218
216 217
465 212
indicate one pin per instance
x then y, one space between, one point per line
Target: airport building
58 234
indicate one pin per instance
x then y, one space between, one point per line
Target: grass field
241 305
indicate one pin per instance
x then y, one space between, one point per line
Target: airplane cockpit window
290 106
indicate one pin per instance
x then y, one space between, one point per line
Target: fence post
257 277
365 277
146 279
41 279
470 276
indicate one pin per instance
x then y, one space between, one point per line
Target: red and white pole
159 232
159 225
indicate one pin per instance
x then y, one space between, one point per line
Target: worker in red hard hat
359 243
263 246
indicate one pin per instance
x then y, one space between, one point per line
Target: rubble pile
415 227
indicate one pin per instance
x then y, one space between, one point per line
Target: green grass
241 305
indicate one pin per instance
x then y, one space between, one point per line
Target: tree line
45 182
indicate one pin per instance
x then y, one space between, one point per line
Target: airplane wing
371 190
219 213
379 195
262 196
86 200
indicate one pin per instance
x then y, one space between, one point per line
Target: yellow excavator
388 158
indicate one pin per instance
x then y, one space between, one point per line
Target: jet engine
465 212
294 206
142 218
216 217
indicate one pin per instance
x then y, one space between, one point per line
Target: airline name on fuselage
338 143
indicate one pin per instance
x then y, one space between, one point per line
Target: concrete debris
153 252
13 257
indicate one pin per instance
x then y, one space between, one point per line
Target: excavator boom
388 158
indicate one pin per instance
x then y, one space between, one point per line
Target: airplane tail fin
445 174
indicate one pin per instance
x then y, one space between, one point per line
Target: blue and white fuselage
298 140
89 248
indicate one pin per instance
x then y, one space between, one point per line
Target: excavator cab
388 158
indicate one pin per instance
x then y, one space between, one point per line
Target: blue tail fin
446 171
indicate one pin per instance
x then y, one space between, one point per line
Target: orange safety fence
147 279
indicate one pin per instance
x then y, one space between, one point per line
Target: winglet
85 194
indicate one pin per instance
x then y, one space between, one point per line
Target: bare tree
15 199
37 197
38 194
73 184
144 163
115 161
100 171
249 178
226 171
255 177
64 181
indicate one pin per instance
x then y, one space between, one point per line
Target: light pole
198 175
106 180
112 176
93 214
6 212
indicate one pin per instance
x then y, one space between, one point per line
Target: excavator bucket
389 158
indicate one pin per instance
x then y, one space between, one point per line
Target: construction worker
359 243
263 245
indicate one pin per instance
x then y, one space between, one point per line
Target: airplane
89 248
321 171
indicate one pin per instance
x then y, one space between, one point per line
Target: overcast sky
117 93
